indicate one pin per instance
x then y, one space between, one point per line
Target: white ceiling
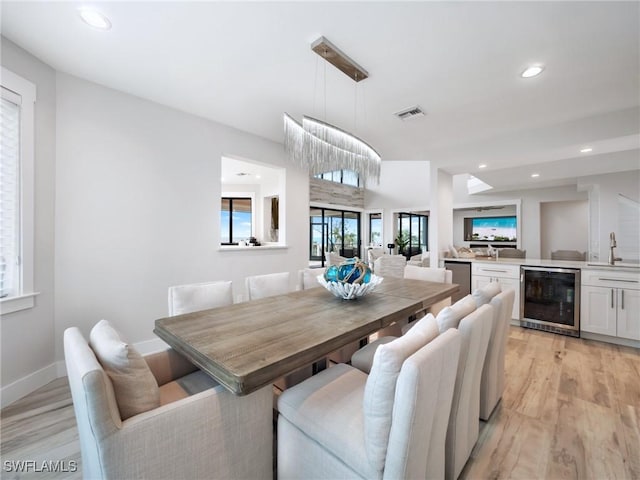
238 172
244 64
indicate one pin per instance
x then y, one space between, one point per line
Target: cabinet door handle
612 293
622 299
617 280
493 270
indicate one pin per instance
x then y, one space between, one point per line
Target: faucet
612 245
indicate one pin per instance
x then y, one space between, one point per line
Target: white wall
529 210
603 193
564 226
441 218
137 195
27 336
404 186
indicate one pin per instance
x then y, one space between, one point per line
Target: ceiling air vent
411 112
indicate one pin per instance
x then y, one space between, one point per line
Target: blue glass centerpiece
351 279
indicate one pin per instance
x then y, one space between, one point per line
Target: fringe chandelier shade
322 148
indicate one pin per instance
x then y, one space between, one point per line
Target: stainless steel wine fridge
550 299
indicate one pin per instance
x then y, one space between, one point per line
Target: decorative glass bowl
351 279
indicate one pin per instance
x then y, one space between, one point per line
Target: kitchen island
608 296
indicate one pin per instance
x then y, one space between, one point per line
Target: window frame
238 196
375 216
24 297
332 174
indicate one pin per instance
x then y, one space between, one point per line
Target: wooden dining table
246 346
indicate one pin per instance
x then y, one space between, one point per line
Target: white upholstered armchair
196 429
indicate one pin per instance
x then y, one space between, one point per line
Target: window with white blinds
9 194
16 192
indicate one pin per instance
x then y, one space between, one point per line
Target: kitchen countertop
537 262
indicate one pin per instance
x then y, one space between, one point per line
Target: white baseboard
61 369
606 338
24 386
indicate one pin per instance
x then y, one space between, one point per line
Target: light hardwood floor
571 409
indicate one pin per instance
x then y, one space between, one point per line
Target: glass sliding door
414 227
318 234
350 234
333 231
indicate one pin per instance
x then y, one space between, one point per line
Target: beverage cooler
550 299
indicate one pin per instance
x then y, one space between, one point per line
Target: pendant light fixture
322 147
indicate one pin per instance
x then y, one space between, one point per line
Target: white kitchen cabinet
507 275
610 303
597 308
629 313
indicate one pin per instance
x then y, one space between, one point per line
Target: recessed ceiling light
258 176
586 150
482 165
532 71
535 175
94 18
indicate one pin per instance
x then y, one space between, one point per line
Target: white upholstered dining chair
372 255
463 430
429 274
492 381
475 326
390 266
308 278
363 357
159 417
268 285
199 296
391 424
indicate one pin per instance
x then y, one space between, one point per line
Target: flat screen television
491 229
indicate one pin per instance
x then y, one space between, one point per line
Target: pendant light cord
325 85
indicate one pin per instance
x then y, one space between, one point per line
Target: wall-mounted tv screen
491 229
